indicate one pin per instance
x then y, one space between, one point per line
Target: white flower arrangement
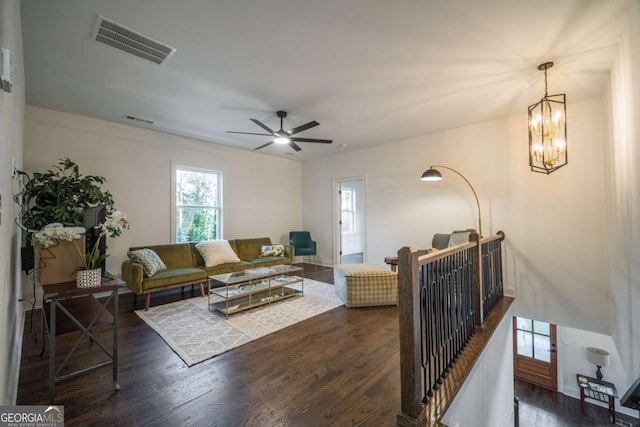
49 236
113 226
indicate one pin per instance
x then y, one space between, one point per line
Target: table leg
52 350
612 409
115 339
44 320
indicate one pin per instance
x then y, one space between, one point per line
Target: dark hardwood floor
540 407
336 369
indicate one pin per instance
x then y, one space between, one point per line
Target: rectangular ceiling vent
115 35
138 119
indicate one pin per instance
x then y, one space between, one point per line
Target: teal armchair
302 244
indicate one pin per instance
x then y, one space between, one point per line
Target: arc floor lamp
433 174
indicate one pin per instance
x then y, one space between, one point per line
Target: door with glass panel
534 352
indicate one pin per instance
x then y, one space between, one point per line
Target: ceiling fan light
281 139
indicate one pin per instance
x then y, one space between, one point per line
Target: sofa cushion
216 252
177 255
229 267
266 261
271 250
250 248
148 259
170 277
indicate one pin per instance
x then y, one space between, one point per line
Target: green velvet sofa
185 265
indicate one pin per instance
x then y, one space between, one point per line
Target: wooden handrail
440 300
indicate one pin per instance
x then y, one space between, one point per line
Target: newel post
410 332
477 281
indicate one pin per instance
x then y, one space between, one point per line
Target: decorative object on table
89 278
548 130
174 322
432 174
50 236
58 255
600 358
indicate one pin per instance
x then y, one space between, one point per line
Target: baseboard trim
16 358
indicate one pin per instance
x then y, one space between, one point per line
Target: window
198 204
533 339
348 210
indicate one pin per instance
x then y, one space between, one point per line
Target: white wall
486 396
622 105
556 260
261 193
11 141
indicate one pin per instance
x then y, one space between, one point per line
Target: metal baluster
438 322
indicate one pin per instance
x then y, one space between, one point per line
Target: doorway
350 221
535 357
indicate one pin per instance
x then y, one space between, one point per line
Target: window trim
352 212
175 166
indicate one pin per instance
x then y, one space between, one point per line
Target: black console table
82 311
602 391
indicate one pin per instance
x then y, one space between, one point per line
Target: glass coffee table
233 292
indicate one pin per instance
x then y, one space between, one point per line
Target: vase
89 278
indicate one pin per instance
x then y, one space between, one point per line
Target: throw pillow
216 252
273 250
148 259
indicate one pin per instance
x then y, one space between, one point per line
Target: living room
570 240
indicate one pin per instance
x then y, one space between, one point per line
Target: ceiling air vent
115 35
138 119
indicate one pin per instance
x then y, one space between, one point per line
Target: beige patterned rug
197 334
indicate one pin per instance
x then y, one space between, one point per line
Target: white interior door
350 224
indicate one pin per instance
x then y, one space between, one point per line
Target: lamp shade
598 357
431 174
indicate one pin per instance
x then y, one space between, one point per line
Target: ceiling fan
285 136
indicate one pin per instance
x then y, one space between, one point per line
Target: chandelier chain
545 83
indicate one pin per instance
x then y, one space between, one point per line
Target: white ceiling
370 71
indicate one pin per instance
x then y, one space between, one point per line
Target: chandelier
548 130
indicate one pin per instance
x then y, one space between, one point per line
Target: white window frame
351 211
175 167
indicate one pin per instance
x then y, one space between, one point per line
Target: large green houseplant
62 194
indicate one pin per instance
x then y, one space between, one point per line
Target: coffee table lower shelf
249 301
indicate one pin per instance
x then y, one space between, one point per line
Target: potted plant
90 274
61 195
58 198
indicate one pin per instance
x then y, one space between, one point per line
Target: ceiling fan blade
303 127
265 145
294 146
250 133
263 126
321 141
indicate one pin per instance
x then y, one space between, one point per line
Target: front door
534 352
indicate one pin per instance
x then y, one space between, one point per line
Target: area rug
197 334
